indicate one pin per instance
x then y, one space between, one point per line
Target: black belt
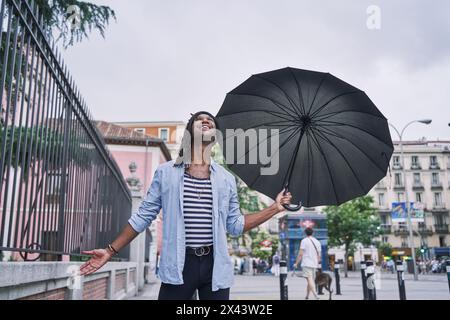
199 251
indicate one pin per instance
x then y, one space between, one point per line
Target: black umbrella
334 144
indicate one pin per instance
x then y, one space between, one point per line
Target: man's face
204 126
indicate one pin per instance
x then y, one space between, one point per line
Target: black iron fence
61 192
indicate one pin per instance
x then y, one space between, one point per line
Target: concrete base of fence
58 281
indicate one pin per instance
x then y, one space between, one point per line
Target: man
309 255
200 204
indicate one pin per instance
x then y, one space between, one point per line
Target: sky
162 60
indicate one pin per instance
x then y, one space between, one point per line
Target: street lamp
411 242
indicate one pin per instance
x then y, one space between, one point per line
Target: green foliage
385 248
355 221
256 245
92 17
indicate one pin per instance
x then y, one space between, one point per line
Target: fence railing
61 191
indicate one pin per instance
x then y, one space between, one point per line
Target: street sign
266 243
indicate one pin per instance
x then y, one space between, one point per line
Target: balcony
385 228
399 186
416 166
418 185
441 228
434 166
397 166
425 231
436 185
401 231
439 207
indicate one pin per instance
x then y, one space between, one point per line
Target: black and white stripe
197 208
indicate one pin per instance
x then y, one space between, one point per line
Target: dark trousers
197 275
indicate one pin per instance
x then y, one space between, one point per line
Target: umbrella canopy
334 144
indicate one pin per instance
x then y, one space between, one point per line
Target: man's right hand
99 257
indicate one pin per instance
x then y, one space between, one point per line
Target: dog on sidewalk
324 280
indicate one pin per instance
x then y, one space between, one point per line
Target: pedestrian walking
309 255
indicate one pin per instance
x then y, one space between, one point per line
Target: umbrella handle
290 207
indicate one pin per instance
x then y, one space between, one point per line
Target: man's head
309 231
200 129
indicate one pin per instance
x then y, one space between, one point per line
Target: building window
448 162
416 178
439 219
384 219
415 161
396 161
404 242
419 197
164 134
381 199
437 199
398 179
140 130
435 178
400 196
442 242
384 239
433 162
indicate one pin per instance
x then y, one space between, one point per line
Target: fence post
363 278
370 280
283 280
62 199
337 278
401 279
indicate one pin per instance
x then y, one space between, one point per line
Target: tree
57 17
353 222
259 250
385 249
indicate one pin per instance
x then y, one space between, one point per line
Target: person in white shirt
309 255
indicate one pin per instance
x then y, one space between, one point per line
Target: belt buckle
203 251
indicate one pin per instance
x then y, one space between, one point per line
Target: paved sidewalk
267 287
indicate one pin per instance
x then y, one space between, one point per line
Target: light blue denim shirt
166 192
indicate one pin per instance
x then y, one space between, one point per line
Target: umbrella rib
310 165
300 94
287 129
317 91
282 145
329 115
350 125
343 156
332 99
328 166
356 146
293 105
277 104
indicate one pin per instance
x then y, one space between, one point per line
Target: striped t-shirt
197 208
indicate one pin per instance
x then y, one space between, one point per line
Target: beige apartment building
427 168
